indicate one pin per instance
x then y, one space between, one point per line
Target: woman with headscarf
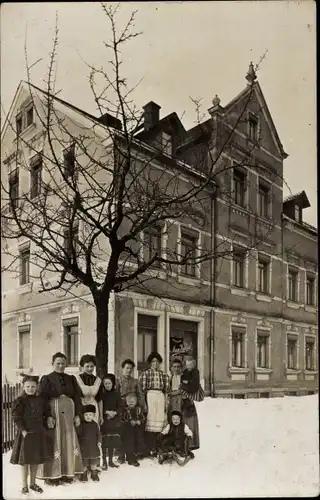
62 393
154 385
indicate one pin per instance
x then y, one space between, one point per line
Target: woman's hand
101 421
133 423
50 422
24 433
77 421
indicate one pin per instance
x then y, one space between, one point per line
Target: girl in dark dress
30 414
62 393
110 429
90 443
191 391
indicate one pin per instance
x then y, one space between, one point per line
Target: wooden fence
9 394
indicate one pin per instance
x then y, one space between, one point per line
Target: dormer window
253 127
297 213
166 144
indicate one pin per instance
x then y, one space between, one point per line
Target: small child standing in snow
132 429
110 425
175 437
31 414
90 443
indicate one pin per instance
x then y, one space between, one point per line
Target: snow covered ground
262 447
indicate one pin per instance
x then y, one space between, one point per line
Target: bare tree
91 216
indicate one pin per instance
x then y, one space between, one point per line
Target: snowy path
263 447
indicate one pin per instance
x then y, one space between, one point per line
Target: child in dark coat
132 429
175 437
31 415
110 428
90 442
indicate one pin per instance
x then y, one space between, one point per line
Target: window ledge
310 372
239 209
293 305
188 280
263 370
27 371
290 371
26 130
156 273
263 297
242 292
25 288
234 369
71 370
265 220
311 309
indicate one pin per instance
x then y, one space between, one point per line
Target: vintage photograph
159 250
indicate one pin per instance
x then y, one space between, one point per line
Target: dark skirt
33 449
190 417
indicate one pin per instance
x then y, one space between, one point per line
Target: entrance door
183 339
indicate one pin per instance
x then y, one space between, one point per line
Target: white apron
89 393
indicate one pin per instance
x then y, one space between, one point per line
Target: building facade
249 315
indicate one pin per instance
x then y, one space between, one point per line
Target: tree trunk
102 344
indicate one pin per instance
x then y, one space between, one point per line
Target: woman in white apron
90 386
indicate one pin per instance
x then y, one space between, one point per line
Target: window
239 180
292 353
253 128
24 266
238 268
71 340
263 340
310 291
263 276
70 238
19 124
238 349
263 200
14 188
166 143
24 332
147 338
309 355
36 170
188 254
298 213
238 396
292 285
152 241
69 161
264 395
29 116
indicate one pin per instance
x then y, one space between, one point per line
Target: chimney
151 115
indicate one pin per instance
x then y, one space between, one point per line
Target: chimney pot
151 114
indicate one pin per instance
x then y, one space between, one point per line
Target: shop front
183 339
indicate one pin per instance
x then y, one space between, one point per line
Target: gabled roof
300 198
265 110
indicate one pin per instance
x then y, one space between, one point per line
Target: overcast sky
196 49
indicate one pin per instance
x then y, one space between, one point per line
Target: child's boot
84 477
95 476
112 465
25 490
36 488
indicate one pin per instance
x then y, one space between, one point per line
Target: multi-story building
249 315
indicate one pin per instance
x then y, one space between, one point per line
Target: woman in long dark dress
30 414
62 392
190 386
89 385
154 385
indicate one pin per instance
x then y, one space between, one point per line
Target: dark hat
154 355
28 377
89 409
176 412
131 395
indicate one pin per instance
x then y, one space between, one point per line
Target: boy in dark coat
174 437
90 443
132 429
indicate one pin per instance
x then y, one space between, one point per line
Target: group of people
66 424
